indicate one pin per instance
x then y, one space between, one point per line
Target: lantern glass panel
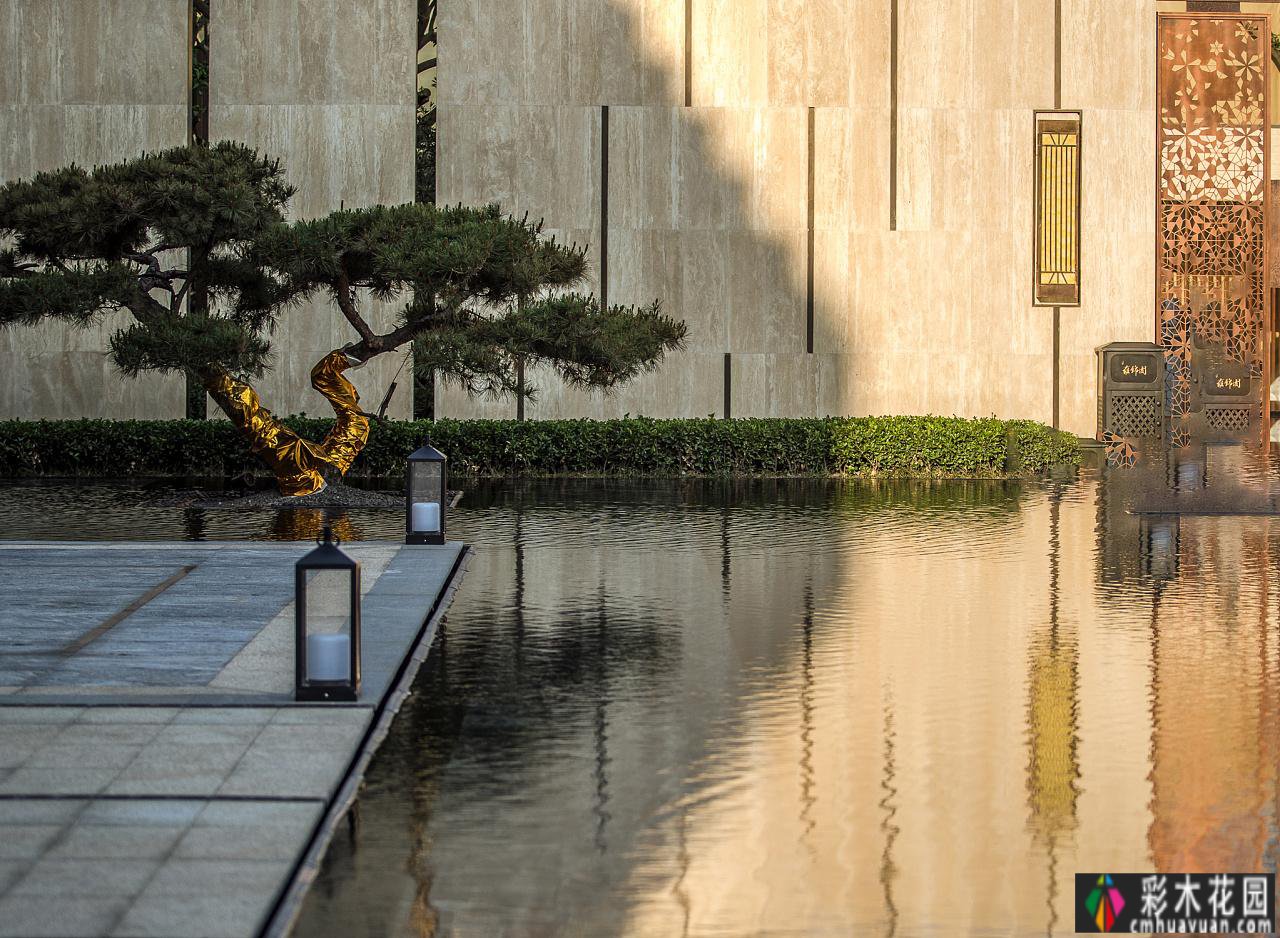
425 485
328 625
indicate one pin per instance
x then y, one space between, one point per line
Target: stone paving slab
161 780
145 867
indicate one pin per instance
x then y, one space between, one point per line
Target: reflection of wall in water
1215 728
1053 768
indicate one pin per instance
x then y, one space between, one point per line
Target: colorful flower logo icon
1105 903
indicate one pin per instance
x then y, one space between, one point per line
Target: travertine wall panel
774 385
810 45
731 49
851 169
643 52
328 88
762 276
483 44
689 384
1108 55
643 189
868 64
936 49
77 85
314 52
492 45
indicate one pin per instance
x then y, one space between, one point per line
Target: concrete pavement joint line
58 796
111 622
184 546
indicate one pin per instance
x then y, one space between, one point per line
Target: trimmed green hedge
895 446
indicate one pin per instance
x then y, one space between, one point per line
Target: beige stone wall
328 88
707 204
86 81
1108 70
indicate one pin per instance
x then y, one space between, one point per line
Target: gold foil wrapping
299 464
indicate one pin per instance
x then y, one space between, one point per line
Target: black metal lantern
327 624
426 492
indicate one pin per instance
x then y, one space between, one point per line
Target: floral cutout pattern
1212 107
1121 454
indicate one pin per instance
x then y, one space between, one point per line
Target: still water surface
799 708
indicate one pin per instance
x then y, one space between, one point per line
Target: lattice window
1228 419
1135 415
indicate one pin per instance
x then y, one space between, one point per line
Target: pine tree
478 292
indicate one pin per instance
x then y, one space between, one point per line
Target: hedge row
895 446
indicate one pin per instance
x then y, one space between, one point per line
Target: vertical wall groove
688 53
604 205
1057 53
520 389
1057 365
893 115
423 382
1057 310
808 285
728 384
198 51
198 117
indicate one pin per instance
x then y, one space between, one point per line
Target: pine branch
346 303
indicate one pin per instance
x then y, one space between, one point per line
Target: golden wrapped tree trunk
299 464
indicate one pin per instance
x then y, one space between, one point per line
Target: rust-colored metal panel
1057 206
1273 239
1213 304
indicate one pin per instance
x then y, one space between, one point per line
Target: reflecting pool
806 708
820 709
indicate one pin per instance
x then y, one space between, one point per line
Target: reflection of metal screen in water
1213 202
1057 253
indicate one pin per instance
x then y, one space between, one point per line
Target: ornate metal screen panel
1211 290
1057 274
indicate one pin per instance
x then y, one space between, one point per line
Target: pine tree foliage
476 291
82 243
489 290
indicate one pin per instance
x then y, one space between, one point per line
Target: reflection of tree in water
514 689
888 826
193 524
600 724
808 781
509 708
307 524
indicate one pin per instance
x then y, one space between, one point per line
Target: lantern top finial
328 553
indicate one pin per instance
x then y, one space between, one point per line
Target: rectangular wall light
1057 208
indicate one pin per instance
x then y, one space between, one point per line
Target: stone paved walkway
156 776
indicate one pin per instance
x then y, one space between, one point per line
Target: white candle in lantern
426 516
328 657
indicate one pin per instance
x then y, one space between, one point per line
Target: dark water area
805 707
